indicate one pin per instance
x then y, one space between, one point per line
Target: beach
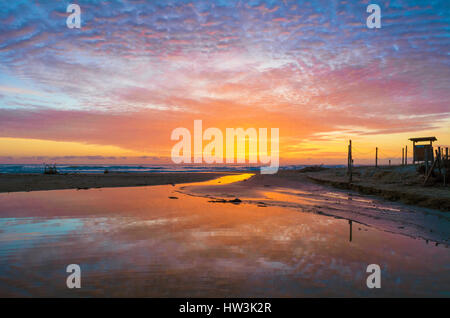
395 183
239 235
224 149
37 182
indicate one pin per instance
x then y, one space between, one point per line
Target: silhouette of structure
423 153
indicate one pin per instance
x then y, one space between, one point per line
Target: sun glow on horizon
116 88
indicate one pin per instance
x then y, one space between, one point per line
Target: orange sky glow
113 91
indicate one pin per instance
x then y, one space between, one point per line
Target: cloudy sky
116 88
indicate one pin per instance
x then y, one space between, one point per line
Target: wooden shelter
423 152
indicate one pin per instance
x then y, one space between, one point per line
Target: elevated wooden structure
423 153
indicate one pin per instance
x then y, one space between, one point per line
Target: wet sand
37 182
283 238
395 183
295 191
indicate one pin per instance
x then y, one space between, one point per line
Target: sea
99 168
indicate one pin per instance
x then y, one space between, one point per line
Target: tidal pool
156 241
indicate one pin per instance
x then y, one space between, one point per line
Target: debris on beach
173 198
312 169
218 201
235 201
50 169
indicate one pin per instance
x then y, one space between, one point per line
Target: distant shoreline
140 168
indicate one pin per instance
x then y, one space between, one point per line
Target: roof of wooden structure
423 139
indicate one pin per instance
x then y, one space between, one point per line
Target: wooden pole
438 159
445 166
350 161
376 157
429 173
406 155
403 156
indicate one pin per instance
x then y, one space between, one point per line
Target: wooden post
350 162
426 160
438 159
376 157
403 156
389 161
406 155
445 166
429 173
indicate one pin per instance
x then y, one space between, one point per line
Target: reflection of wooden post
350 222
406 155
376 157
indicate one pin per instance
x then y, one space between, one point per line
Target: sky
114 90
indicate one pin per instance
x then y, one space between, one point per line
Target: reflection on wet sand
351 231
309 197
139 242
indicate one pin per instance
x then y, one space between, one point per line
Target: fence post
406 155
445 165
350 161
376 157
403 156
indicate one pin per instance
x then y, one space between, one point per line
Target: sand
394 183
36 182
293 190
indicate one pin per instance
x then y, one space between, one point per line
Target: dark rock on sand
236 200
218 201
